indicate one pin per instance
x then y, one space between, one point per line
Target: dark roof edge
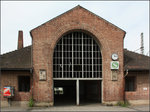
136 70
71 10
16 69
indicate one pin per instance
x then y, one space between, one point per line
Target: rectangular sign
42 75
114 75
114 65
7 91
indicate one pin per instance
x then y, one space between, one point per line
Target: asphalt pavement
71 108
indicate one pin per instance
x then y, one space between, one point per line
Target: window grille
77 55
23 83
130 83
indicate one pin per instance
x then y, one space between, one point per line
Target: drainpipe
126 73
31 71
32 62
124 99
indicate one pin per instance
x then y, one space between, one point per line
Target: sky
131 16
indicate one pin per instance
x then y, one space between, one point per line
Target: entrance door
64 92
90 91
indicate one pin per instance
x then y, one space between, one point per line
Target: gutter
17 69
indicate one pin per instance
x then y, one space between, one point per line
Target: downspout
32 63
124 98
32 67
126 73
31 72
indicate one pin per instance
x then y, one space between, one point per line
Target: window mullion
62 60
92 58
72 56
82 57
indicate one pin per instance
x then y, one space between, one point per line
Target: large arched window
77 55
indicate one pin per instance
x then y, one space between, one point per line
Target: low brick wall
10 78
141 94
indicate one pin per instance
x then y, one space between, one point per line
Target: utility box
8 91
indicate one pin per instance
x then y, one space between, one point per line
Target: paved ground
88 107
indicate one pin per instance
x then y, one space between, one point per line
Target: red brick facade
10 78
45 37
142 81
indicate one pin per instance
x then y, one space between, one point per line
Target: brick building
77 57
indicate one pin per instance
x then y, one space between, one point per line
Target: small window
24 83
58 91
130 84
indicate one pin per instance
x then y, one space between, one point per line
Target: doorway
64 92
90 91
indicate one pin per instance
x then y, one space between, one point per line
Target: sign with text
42 75
114 65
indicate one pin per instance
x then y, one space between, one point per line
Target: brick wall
10 78
142 81
46 36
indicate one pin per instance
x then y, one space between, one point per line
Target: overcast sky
133 17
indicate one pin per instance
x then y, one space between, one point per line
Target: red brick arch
85 28
103 44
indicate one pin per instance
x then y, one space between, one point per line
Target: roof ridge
56 17
137 53
78 6
15 50
102 18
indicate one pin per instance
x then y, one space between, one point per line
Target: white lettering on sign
145 88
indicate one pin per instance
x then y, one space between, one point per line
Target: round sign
114 56
115 65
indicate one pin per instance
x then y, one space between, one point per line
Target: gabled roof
134 61
21 60
77 7
16 60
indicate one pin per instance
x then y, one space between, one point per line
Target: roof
78 6
135 62
21 60
16 60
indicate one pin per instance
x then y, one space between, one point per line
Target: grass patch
31 102
123 103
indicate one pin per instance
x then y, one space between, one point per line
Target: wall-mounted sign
114 75
114 56
42 75
8 91
114 65
145 88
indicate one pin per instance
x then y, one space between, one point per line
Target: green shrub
31 102
123 103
